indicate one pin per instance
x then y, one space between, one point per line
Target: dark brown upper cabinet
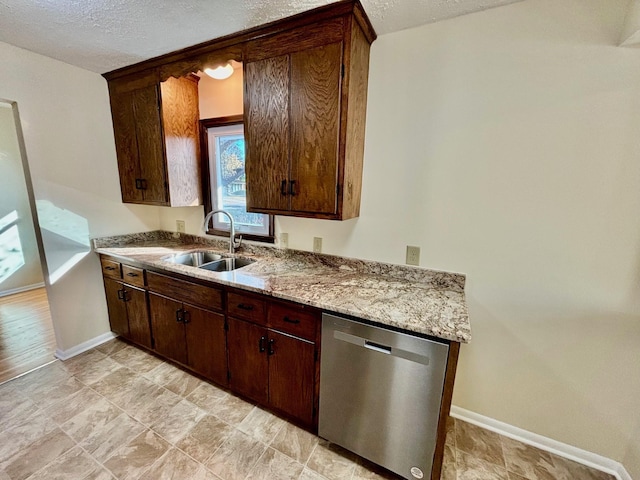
305 106
156 129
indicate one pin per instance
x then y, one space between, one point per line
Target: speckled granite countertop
409 298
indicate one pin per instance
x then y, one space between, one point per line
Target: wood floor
26 333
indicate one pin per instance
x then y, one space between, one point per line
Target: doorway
27 339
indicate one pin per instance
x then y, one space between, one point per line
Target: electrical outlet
180 226
284 240
317 244
413 255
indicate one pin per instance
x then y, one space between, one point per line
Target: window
226 182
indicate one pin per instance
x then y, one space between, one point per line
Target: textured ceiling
102 35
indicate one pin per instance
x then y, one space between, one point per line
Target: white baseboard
83 347
21 289
570 452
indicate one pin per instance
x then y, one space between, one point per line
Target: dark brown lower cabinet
248 363
128 313
192 336
275 369
291 375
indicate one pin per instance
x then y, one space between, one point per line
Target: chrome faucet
232 230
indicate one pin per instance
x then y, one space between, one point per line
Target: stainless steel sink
193 259
227 264
209 261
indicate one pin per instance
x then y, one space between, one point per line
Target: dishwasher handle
378 347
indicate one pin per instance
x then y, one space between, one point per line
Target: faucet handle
238 243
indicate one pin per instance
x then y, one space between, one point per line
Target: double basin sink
209 261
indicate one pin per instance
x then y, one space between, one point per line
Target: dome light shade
220 73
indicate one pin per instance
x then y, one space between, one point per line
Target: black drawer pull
295 321
261 344
271 342
131 274
244 306
179 315
292 190
110 268
283 188
121 294
186 316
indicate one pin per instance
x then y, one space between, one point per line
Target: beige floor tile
174 379
175 465
111 347
132 460
451 432
232 409
564 469
479 442
52 394
91 420
295 442
16 438
261 425
515 476
136 359
38 454
159 407
178 421
310 475
529 462
138 396
90 373
100 474
112 385
103 443
470 467
273 465
449 471
65 409
236 457
22 411
75 464
366 470
206 396
41 378
332 461
205 438
80 362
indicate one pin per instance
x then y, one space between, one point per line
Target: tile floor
117 412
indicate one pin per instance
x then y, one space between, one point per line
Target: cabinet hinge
228 376
315 355
342 72
338 189
226 326
315 411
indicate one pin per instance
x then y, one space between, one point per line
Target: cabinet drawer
246 307
110 268
133 275
187 292
294 320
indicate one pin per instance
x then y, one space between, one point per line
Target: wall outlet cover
317 244
413 255
180 226
284 240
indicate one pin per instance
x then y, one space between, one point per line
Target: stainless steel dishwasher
380 394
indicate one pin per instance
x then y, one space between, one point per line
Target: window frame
205 125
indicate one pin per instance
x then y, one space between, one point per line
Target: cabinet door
206 343
291 375
315 125
146 104
248 364
138 315
116 307
124 130
168 332
267 133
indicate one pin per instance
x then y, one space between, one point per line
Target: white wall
508 144
13 197
69 141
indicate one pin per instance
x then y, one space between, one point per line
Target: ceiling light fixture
220 73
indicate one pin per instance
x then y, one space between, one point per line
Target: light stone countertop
408 298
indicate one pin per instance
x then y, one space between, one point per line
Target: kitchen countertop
408 298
